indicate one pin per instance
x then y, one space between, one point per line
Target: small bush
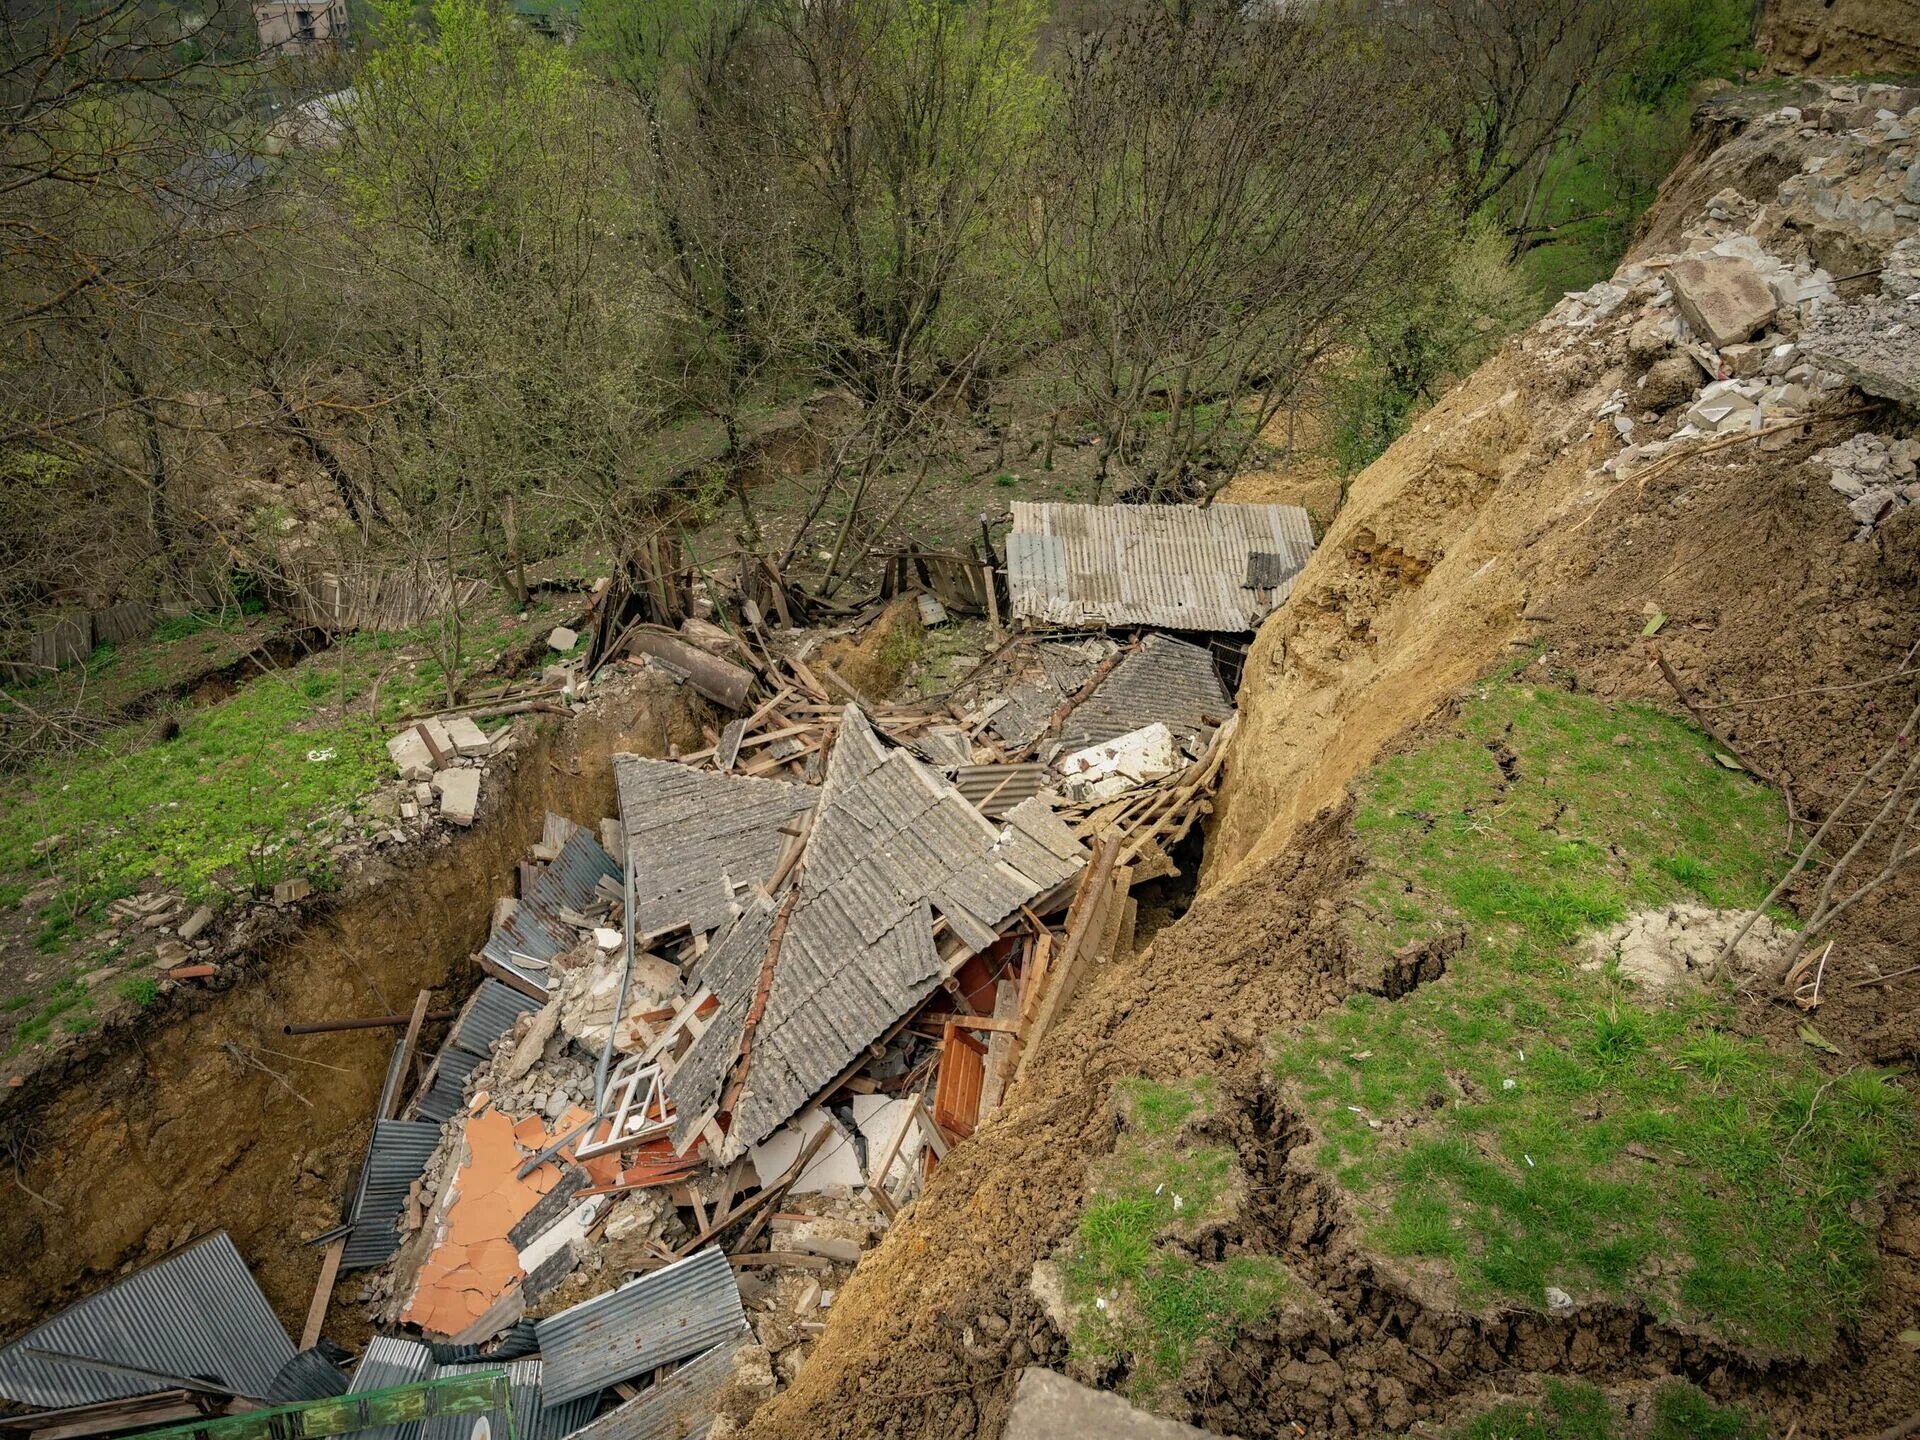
138 990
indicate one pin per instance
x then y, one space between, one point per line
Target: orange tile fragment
475 1263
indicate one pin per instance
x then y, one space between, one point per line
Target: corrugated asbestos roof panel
196 1314
890 843
679 1406
732 970
310 1375
1182 567
527 934
1165 680
688 830
397 1155
1058 669
668 1315
489 1015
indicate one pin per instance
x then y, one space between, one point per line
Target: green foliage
1434 332
1532 1123
138 990
1133 1290
1574 1410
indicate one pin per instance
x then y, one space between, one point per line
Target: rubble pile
1757 326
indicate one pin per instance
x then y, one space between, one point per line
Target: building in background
300 27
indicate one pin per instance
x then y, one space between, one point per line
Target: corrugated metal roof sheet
891 842
680 1406
390 1360
534 931
397 1155
1183 567
310 1375
1164 680
195 1315
697 838
668 1315
489 1015
448 1090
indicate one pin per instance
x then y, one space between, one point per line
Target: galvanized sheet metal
534 930
1181 567
397 1155
1166 681
448 1091
668 1315
310 1375
533 1418
680 1406
489 1015
196 1314
389 1361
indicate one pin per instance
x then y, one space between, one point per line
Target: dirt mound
1679 945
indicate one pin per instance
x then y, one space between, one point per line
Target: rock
1558 1300
169 952
753 1371
607 938
459 794
410 755
1049 1287
562 639
1047 1406
1910 184
1651 337
1725 298
1870 506
191 927
1670 382
467 737
288 891
423 792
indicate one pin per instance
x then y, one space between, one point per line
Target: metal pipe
372 1022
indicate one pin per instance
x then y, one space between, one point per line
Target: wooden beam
323 1292
407 1044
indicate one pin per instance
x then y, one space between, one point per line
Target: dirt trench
202 1115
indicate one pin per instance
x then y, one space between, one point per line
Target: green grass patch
1529 1123
1133 1290
1573 1410
232 802
140 990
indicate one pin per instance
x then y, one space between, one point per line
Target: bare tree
1225 191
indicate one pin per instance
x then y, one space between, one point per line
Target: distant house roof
1179 567
696 839
197 1315
891 844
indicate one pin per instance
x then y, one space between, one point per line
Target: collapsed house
724 1036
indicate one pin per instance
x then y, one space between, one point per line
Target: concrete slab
467 737
1725 299
562 639
459 794
410 754
1047 1406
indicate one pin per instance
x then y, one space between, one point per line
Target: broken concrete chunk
410 755
459 794
1047 1406
562 639
191 927
1725 298
288 891
467 737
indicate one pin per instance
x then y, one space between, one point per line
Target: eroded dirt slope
212 1119
1489 533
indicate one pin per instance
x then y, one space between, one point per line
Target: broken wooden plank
407 1044
322 1293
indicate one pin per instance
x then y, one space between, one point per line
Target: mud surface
207 1117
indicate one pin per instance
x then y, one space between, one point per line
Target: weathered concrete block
1725 298
467 737
1047 1406
459 794
191 927
563 639
410 754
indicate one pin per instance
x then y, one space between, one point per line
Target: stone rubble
1743 331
